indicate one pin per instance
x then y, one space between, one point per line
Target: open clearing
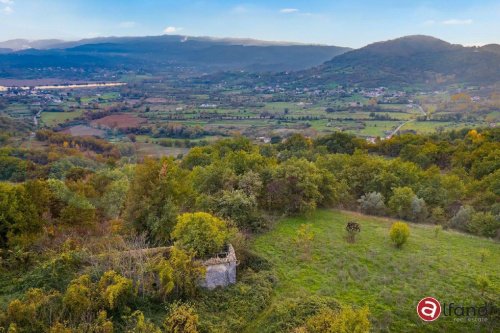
119 121
372 272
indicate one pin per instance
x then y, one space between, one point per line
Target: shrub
399 233
438 216
352 229
201 232
116 290
179 274
484 224
136 323
372 203
78 297
437 230
304 239
348 320
462 218
182 318
483 283
484 253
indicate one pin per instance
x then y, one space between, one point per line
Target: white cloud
289 10
172 30
127 24
239 9
7 10
457 22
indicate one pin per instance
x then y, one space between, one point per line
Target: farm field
55 118
373 272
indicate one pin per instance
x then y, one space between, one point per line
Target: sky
335 22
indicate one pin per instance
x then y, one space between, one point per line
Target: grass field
373 272
54 118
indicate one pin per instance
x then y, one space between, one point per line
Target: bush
201 232
180 274
182 318
347 320
484 224
352 228
116 290
462 218
399 233
372 203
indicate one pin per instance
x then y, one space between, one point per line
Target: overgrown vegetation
92 239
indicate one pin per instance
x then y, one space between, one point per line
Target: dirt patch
156 100
82 130
119 121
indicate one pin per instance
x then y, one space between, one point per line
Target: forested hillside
72 209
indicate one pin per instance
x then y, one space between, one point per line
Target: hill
166 53
411 60
372 272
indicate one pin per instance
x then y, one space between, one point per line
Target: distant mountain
420 60
162 53
23 44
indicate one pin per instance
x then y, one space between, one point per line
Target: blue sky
336 22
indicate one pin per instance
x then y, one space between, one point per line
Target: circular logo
429 309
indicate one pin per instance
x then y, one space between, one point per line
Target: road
398 128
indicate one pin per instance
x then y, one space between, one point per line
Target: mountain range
159 53
411 60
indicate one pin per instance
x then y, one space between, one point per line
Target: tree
19 221
294 187
484 224
372 203
339 143
182 318
159 190
399 233
239 207
201 232
406 205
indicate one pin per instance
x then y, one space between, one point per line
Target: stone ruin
221 269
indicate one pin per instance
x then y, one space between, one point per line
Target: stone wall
221 270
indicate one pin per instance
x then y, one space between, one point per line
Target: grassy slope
373 272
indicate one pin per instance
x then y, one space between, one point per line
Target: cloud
457 22
172 30
289 10
127 24
7 10
239 9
